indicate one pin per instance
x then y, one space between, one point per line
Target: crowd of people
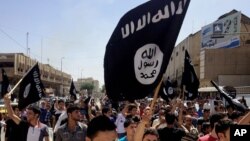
92 119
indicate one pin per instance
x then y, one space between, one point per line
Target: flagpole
183 93
155 96
12 90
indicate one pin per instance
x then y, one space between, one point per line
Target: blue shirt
200 112
123 139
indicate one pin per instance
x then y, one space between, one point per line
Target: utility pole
81 74
42 50
27 43
62 76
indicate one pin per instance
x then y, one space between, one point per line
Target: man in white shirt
121 117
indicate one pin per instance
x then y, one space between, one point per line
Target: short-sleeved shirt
30 133
63 133
120 123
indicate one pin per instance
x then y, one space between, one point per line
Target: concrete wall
226 66
233 80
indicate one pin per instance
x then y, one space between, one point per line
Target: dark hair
129 121
222 126
170 118
204 126
122 106
150 131
206 110
215 118
190 108
131 107
61 100
68 103
35 109
136 119
105 110
99 123
72 108
230 106
236 114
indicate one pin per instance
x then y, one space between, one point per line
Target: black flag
72 90
189 79
234 102
87 100
167 91
5 83
140 47
31 88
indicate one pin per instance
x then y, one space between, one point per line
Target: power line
12 38
19 44
36 34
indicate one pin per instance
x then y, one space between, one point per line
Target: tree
87 86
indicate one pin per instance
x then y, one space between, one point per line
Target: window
176 53
6 64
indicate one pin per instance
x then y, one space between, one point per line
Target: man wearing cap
73 130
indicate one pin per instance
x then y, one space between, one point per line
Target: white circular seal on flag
26 91
147 63
170 90
190 94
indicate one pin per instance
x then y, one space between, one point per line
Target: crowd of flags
189 83
149 30
31 88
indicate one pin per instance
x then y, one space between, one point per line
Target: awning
207 89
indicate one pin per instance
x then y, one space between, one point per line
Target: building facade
17 64
89 80
226 66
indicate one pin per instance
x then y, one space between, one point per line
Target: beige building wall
17 64
224 66
176 63
234 80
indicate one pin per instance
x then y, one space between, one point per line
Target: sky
78 30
